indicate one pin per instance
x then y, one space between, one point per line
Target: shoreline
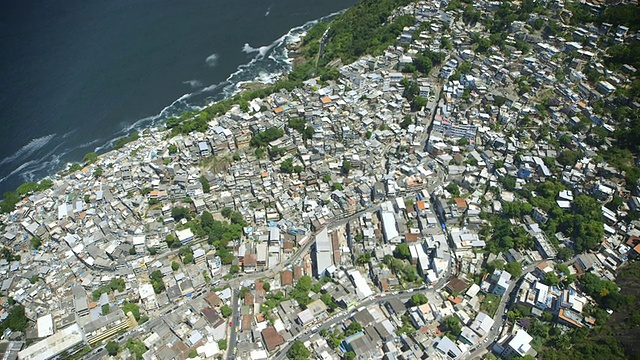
293 58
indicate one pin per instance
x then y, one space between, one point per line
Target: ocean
75 75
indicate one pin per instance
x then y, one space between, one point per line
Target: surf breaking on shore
268 64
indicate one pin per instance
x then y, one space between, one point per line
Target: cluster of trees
11 198
363 29
404 270
605 292
583 222
133 308
452 325
206 186
411 91
300 125
136 347
123 141
287 167
502 236
424 62
220 233
16 320
156 281
114 284
263 138
298 351
186 253
418 299
301 291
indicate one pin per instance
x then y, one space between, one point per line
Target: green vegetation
219 233
112 348
403 269
502 236
114 284
173 149
452 325
156 281
125 140
136 347
36 243
300 125
16 320
298 351
132 308
489 304
287 167
187 255
263 138
106 309
222 344
604 292
407 327
363 29
8 255
514 268
226 311
175 266
206 187
11 198
300 292
418 299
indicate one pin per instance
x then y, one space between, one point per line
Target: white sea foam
18 169
193 83
28 149
212 60
247 49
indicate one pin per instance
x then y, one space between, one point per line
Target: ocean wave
247 49
193 83
212 60
28 149
18 170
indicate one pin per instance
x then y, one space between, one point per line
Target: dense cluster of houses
363 165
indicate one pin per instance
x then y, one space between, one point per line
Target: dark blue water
74 75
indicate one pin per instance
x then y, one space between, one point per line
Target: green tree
453 189
90 158
175 266
419 299
36 243
402 251
514 268
133 308
136 347
222 344
112 348
206 187
157 282
234 269
105 309
551 279
346 166
298 351
349 355
452 325
226 311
